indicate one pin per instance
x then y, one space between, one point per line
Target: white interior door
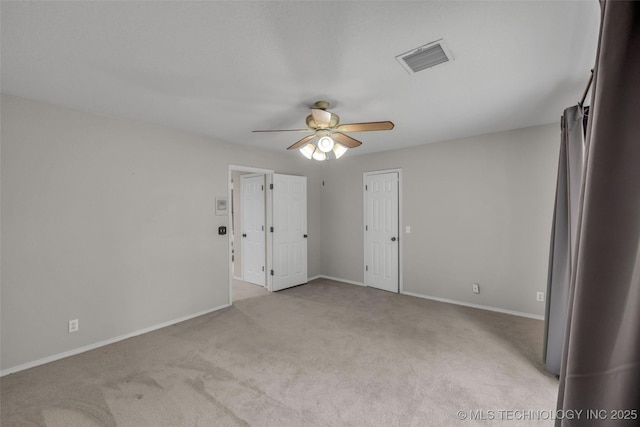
289 263
381 231
253 232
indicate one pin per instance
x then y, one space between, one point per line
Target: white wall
479 208
111 221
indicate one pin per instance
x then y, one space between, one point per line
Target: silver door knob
393 239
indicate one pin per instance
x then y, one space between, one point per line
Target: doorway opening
248 219
278 251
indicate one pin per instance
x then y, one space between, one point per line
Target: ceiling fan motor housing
333 122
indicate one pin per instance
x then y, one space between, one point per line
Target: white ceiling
224 68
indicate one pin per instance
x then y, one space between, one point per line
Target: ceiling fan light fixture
339 150
319 156
328 134
308 150
325 144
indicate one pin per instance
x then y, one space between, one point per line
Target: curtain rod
586 90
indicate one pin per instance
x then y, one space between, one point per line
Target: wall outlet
475 288
74 325
407 229
540 296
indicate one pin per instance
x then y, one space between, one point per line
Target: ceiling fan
325 126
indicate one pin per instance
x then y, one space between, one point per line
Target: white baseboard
337 279
448 301
481 307
79 350
93 346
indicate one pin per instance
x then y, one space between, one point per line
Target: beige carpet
325 354
243 290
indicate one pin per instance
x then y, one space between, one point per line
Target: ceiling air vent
424 57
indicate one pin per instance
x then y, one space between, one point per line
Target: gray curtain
601 358
563 234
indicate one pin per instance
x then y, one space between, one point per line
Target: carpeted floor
325 354
243 290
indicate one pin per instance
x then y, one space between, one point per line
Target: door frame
400 224
268 173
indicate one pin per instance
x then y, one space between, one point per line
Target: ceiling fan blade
345 140
284 130
301 142
365 127
321 117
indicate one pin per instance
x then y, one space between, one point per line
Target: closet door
381 236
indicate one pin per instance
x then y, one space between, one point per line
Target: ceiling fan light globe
308 150
319 156
325 144
339 150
